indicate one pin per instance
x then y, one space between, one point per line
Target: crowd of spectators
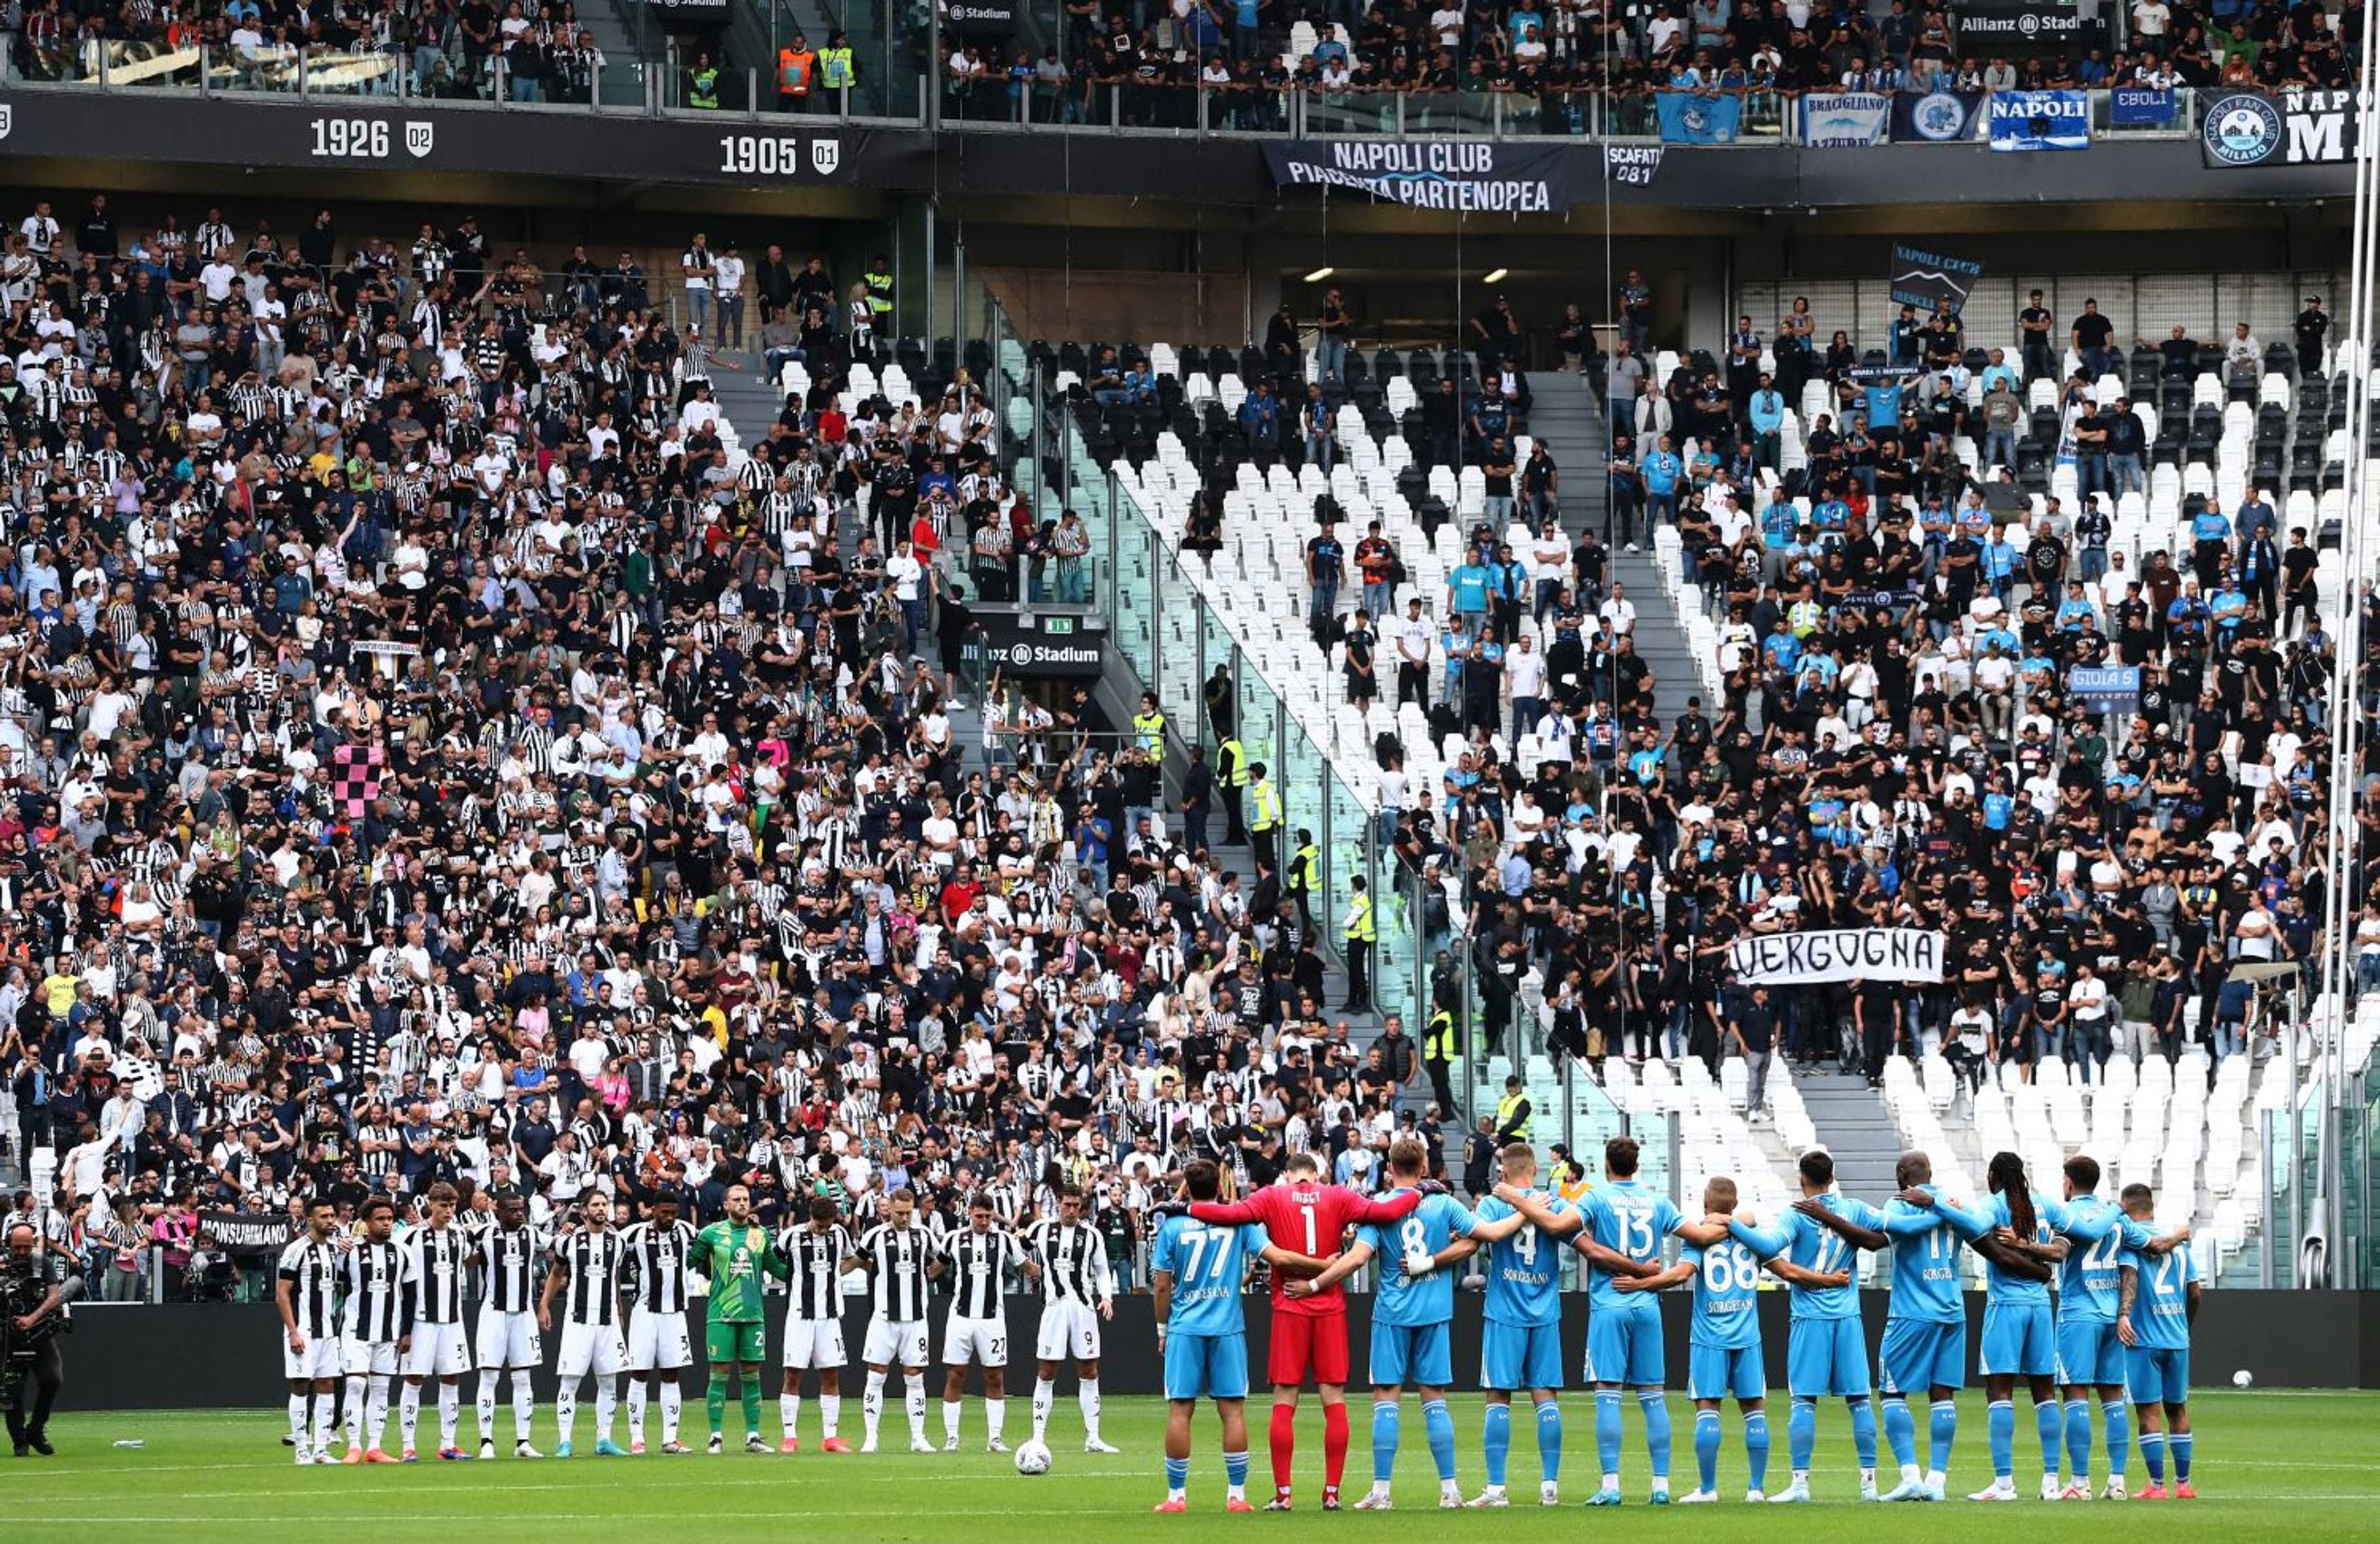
436 747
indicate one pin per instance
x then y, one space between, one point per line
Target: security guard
1359 935
1149 725
1513 1114
836 70
702 83
1263 831
1437 1060
1230 777
796 62
1305 878
879 275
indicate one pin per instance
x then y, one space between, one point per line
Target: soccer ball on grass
1033 1458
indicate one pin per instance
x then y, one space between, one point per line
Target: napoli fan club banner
2111 688
2025 30
1692 118
1832 120
1484 177
1921 278
2041 120
1911 955
2139 107
1935 117
2285 128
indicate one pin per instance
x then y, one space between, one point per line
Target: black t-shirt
2092 331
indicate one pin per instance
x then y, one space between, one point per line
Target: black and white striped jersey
814 1259
591 1259
979 1266
1074 1259
657 1253
511 1265
375 1289
897 1258
436 1261
312 1271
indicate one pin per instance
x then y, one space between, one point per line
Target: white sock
638 1394
1045 1394
830 1413
1936 1478
566 1408
450 1412
523 1404
357 1383
1088 1398
914 1386
672 1405
871 1403
484 1404
789 1411
995 1415
408 1411
607 1403
376 1410
1800 1477
297 1419
326 1420
953 1410
1611 1482
1867 1476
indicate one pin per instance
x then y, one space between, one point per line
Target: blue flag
1692 118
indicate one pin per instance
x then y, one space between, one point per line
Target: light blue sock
1550 1438
1999 1428
1440 1425
1607 1429
2078 1437
1943 1430
1177 1474
1656 1434
2178 1445
1496 1441
1864 1432
1755 1447
1235 1469
2153 1455
1707 1448
1901 1432
1384 1441
1802 1433
2116 1416
2048 1423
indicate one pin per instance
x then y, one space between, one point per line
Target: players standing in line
307 1294
437 1258
589 1263
1069 1258
814 1256
658 1250
2089 1355
373 1329
511 1251
1413 1311
733 1254
1825 1354
900 1254
2157 1302
976 1330
1620 1228
1200 1268
1309 1334
1519 1337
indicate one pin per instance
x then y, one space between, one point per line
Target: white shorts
324 1356
362 1358
657 1342
982 1341
438 1351
595 1348
1068 1330
814 1342
892 1343
508 1340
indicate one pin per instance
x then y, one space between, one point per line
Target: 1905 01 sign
776 155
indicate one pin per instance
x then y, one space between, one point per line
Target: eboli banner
2041 120
1935 117
1490 179
1833 120
2025 28
2239 130
1907 955
2139 107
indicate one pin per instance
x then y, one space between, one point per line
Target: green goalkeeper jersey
733 1258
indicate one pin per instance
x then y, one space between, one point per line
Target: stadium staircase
1854 1125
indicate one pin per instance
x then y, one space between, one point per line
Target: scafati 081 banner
1837 954
1486 178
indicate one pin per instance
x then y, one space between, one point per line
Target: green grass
2299 1463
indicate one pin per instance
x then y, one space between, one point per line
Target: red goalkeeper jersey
1310 1218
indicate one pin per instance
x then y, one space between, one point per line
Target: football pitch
2293 1462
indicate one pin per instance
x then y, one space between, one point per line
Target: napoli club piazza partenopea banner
1484 178
1911 955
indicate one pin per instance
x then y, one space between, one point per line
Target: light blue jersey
2001 1289
2088 1277
1812 1246
1925 1263
1429 1227
1523 1270
1726 1294
2161 1307
1631 1220
1209 1262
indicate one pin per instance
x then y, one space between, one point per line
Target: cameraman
34 1288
